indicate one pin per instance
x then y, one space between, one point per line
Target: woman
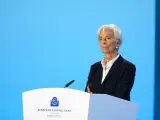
113 75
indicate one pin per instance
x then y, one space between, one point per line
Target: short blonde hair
116 30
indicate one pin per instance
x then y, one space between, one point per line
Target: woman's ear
118 43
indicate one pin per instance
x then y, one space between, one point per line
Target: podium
69 104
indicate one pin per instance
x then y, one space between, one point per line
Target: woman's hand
88 90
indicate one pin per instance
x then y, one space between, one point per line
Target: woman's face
107 41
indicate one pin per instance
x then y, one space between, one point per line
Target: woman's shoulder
96 64
128 64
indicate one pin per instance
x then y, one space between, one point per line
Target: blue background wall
46 43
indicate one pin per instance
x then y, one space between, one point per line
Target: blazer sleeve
125 84
91 73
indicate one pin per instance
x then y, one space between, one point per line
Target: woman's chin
106 52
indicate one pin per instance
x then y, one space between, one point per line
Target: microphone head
68 84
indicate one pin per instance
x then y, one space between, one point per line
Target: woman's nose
104 41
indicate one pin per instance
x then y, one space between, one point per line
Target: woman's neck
109 57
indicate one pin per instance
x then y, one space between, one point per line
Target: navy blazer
118 82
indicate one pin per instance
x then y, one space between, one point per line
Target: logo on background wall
54 102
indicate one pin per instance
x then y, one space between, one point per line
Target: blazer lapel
113 69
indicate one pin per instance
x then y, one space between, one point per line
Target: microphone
68 84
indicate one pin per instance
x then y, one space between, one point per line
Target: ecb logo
54 102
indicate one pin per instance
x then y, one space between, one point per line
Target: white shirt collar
110 63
